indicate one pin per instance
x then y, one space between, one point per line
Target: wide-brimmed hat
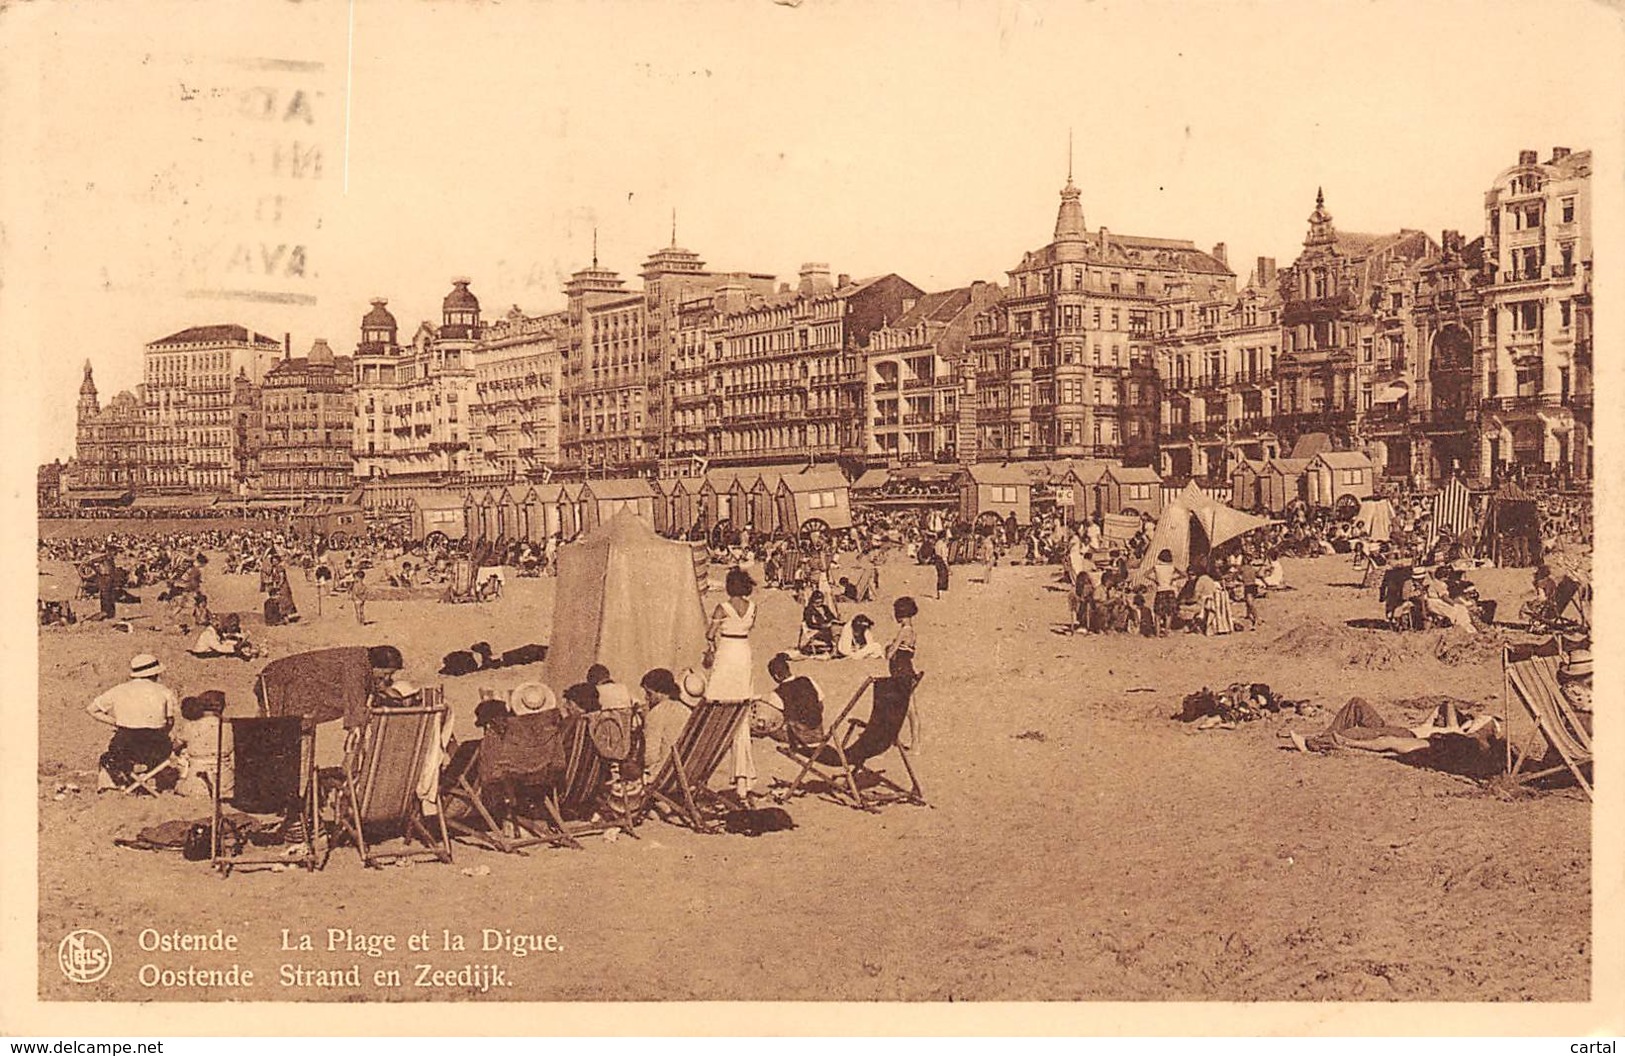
145 665
692 686
531 697
1576 667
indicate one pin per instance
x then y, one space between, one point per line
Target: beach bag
199 845
611 733
757 821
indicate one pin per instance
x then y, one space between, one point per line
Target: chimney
1105 238
1528 157
843 279
1220 254
1559 153
814 279
1266 271
287 345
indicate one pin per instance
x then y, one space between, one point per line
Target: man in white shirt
141 712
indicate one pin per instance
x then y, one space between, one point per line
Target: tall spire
1069 226
595 247
1320 222
674 227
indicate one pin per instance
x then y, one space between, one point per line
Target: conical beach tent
1193 524
626 599
1376 516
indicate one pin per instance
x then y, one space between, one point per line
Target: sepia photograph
923 503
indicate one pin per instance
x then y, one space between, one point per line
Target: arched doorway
1450 369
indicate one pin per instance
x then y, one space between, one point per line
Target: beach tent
1376 516
1453 508
627 599
1192 525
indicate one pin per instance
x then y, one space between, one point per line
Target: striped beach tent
1453 508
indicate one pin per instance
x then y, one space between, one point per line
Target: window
1568 210
1351 476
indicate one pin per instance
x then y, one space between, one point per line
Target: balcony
1254 377
1528 402
885 386
916 419
919 383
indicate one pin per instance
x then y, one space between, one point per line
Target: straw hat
529 698
1576 667
145 665
692 685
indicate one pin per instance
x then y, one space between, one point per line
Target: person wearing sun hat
141 712
532 698
691 687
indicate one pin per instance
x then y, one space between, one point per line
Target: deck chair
575 806
273 774
837 759
1530 678
681 784
146 780
383 764
462 587
525 753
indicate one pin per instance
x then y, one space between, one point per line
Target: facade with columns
414 402
307 418
920 383
790 384
200 388
516 388
1346 368
1067 366
110 443
1216 358
1536 365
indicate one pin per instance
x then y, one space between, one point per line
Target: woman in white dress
732 671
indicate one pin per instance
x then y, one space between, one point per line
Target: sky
279 164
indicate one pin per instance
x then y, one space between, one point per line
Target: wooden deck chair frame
360 804
465 787
683 779
842 784
143 782
307 857
1533 683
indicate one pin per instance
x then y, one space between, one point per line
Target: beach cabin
508 523
1334 477
1280 483
601 500
722 497
819 494
1083 479
437 515
763 501
337 522
572 515
987 489
681 504
1244 484
1125 489
541 505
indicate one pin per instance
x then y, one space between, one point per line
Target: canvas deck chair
848 743
1530 678
681 784
383 764
575 807
509 753
273 774
462 587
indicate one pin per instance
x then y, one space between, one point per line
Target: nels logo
85 956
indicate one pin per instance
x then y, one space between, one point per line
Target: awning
99 495
174 502
1393 393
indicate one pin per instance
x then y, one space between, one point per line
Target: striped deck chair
384 762
838 760
576 807
681 784
1530 678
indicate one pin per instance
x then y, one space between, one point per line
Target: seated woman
818 624
224 637
1273 577
857 643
